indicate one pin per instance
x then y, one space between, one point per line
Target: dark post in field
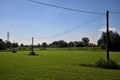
8 36
107 34
8 41
32 45
32 52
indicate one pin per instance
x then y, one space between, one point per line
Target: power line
68 31
115 12
61 7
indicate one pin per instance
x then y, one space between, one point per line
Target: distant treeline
114 43
7 45
56 44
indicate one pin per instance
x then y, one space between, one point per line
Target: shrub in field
32 53
109 64
14 51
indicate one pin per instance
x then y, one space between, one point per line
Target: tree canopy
55 44
44 45
2 44
85 41
114 41
7 45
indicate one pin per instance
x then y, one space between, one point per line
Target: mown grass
55 65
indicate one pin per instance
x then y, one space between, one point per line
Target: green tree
14 45
75 43
114 41
21 45
55 44
44 45
59 44
8 44
62 43
85 41
2 45
71 44
38 45
80 44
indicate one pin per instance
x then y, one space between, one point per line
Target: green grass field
56 65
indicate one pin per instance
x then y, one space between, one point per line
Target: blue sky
25 19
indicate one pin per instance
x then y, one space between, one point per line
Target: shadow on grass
33 54
93 65
106 64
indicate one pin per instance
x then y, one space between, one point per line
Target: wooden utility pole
32 52
8 36
9 45
32 45
107 34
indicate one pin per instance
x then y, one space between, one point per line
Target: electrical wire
61 7
71 30
115 12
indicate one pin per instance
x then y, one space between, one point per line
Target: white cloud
110 28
